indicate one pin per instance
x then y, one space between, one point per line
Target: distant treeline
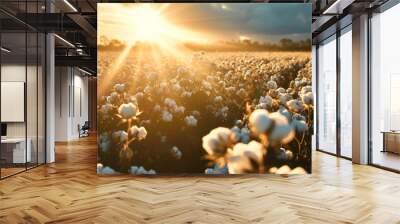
243 45
250 45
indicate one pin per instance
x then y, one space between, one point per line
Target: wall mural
216 88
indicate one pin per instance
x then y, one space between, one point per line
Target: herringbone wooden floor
69 191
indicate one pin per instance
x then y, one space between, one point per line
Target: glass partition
346 92
13 104
326 105
22 88
385 89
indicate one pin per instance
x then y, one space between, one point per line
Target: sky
215 21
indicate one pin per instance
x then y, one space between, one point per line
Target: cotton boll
147 89
282 131
236 133
289 154
119 87
99 167
245 135
283 170
140 171
176 87
166 116
179 110
298 117
106 108
186 94
128 111
217 170
298 170
284 98
170 103
231 89
281 154
241 93
299 125
209 171
222 112
272 85
139 95
176 153
295 106
104 142
157 108
259 121
306 89
112 98
151 172
247 74
206 85
196 113
297 84
191 121
142 133
308 98
266 100
107 170
122 136
281 90
238 123
218 99
239 165
285 112
134 130
217 141
132 99
133 169
241 157
253 150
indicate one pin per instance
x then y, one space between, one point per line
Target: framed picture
204 88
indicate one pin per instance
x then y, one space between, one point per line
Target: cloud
253 18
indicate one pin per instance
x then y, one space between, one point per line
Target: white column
50 94
360 90
314 89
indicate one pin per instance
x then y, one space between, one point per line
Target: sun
149 25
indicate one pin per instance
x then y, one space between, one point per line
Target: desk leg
384 142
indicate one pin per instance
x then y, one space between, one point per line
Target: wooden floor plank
69 191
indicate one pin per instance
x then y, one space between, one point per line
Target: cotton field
211 113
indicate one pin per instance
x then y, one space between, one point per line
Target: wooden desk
391 141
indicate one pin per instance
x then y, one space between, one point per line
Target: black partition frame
43 55
339 32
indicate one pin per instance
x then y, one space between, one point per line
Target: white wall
71 93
